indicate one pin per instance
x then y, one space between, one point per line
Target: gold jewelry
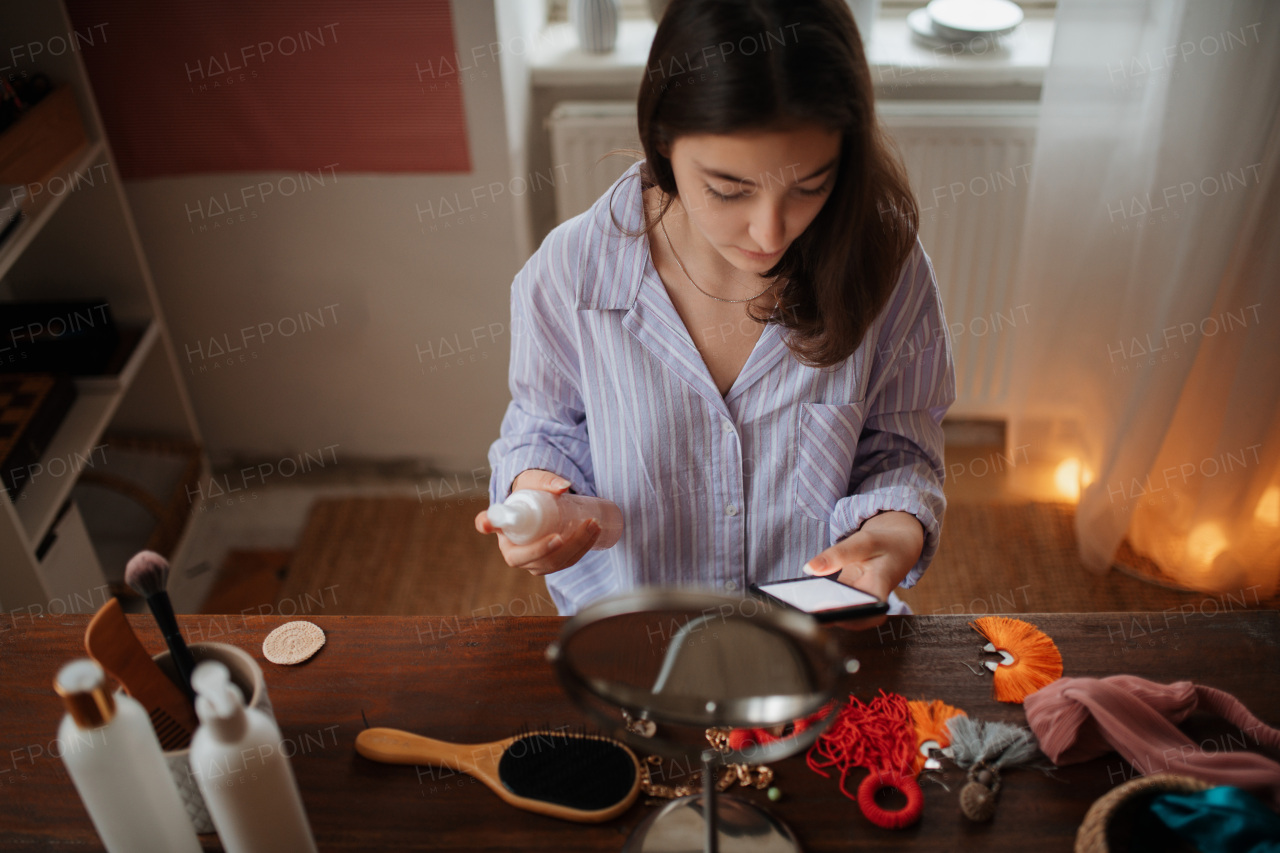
746 775
662 222
641 726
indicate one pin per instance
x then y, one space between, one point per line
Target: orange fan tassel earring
1029 659
930 719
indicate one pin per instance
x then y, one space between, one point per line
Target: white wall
396 284
520 23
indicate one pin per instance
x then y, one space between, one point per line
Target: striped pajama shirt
717 492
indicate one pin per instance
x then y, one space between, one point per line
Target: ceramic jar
596 23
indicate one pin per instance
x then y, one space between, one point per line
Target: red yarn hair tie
881 738
886 818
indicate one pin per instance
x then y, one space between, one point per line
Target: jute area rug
402 556
396 555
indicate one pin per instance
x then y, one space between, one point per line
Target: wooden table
476 680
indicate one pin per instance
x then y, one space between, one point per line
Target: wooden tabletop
476 680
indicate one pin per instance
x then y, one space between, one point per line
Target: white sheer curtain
1150 263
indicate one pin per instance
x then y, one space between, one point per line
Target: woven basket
1111 818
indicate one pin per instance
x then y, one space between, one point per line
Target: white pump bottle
530 514
242 771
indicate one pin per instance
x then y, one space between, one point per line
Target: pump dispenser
238 759
114 760
530 514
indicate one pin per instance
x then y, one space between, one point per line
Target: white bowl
962 20
921 27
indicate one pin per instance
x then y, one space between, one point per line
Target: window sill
896 58
558 61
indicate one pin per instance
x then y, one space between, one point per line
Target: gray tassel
997 744
984 748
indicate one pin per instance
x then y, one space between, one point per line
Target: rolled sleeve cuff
535 456
852 511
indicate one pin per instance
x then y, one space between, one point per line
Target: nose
768 226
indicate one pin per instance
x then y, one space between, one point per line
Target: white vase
596 23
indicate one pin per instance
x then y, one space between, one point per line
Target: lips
759 256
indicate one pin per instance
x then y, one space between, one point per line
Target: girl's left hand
875 559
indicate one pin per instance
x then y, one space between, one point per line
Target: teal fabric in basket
1221 820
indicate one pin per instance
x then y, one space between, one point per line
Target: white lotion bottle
530 514
115 761
242 771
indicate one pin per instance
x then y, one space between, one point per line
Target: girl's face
750 195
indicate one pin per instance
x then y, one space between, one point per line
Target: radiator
969 165
582 133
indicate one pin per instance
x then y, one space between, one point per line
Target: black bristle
569 768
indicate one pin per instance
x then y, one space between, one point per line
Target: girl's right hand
550 553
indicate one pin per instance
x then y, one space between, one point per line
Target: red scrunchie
882 817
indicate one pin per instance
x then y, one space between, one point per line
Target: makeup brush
147 574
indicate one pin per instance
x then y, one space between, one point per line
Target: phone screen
819 595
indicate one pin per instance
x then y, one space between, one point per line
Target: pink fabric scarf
1076 719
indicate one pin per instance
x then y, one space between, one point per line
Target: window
558 10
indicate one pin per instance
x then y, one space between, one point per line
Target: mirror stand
658 668
711 823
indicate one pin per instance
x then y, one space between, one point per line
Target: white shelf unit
82 244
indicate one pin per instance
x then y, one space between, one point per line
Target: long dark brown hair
728 66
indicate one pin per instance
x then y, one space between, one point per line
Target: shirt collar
620 288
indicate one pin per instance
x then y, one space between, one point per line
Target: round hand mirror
681 662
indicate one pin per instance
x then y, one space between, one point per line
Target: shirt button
730 585
727 427
731 509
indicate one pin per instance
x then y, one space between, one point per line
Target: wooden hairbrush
580 777
110 641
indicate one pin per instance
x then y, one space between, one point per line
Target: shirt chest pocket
827 441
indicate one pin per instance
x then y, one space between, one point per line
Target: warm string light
1205 542
1267 513
1070 477
1195 557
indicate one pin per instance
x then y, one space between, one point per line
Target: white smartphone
823 598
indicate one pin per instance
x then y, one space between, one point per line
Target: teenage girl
741 343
